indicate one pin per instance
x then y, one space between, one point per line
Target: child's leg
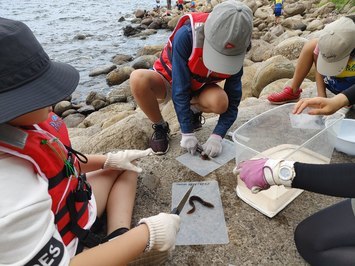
212 99
304 64
147 87
114 192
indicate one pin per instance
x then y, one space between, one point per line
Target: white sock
195 109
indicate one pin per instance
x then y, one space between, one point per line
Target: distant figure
193 6
180 4
158 4
277 4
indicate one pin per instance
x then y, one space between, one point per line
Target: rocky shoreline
274 53
113 122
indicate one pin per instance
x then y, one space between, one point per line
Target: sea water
57 23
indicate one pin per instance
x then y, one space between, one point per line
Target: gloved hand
162 231
213 146
260 174
122 159
189 142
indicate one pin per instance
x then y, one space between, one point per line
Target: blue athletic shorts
277 12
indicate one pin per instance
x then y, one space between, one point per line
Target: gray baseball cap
335 46
228 30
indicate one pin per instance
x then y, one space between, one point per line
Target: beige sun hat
335 46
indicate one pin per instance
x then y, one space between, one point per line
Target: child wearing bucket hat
203 50
50 193
334 57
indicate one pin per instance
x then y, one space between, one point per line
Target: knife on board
181 205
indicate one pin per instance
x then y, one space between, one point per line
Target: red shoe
285 96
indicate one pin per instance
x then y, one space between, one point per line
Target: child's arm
321 89
119 251
154 233
120 160
95 162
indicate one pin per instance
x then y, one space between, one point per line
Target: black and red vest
46 146
200 74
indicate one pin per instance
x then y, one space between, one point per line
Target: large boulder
150 50
263 12
125 134
290 48
104 114
275 68
294 23
294 9
247 79
144 61
315 25
260 51
119 75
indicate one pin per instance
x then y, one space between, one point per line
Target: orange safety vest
47 147
200 74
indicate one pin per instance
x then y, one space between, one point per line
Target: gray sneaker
159 141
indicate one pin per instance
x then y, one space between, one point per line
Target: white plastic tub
345 136
279 134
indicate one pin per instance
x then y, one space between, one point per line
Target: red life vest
43 146
200 74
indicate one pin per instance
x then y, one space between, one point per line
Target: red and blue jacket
181 63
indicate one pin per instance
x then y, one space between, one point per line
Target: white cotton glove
189 142
122 159
213 146
162 231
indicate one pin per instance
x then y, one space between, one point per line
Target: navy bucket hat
29 80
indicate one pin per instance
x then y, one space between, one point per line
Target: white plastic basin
345 141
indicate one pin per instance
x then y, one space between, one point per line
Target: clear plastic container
279 134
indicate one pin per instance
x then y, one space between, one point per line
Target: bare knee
220 105
212 99
139 82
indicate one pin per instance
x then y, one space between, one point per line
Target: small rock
61 107
102 70
86 110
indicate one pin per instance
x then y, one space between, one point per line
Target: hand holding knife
177 210
204 156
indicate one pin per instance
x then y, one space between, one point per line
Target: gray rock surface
254 239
